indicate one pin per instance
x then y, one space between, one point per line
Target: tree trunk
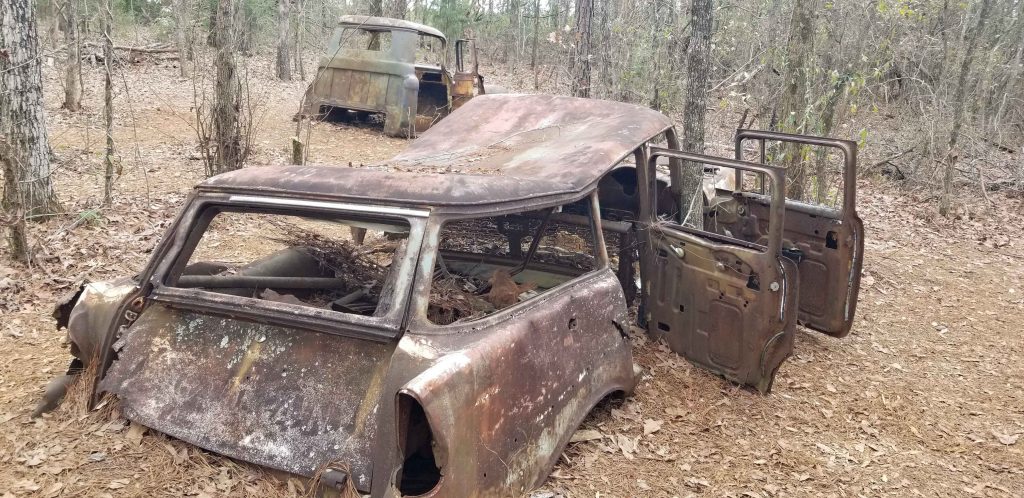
536 36
794 100
398 9
14 212
226 127
580 61
73 70
284 65
971 39
377 8
22 119
299 28
698 68
182 39
108 102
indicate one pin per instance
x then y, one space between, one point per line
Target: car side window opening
345 265
487 264
727 216
814 173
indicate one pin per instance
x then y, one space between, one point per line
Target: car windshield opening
346 265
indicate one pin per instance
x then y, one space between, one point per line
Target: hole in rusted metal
419 473
572 323
664 326
831 240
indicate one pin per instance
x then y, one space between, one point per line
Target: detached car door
823 233
725 304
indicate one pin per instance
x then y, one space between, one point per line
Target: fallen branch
891 158
141 50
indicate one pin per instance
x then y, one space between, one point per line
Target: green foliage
452 17
143 11
91 217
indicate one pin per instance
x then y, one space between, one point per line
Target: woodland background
111 110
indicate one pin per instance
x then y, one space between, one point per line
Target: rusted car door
723 303
827 243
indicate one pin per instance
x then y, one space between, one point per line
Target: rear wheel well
419 473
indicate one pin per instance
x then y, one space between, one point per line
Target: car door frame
817 278
750 347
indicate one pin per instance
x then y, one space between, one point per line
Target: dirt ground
923 398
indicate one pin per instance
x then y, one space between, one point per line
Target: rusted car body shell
502 394
385 81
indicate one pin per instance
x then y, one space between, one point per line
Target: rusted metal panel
535 149
284 398
722 303
505 393
386 22
830 242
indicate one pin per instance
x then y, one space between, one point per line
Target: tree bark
398 8
182 38
73 69
22 119
226 127
14 212
698 68
581 49
108 102
299 29
284 67
794 100
971 39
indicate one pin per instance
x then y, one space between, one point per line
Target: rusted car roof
387 22
496 149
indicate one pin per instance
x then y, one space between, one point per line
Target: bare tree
971 39
398 9
227 99
299 31
581 49
284 70
22 120
794 105
108 102
698 67
182 33
73 68
377 8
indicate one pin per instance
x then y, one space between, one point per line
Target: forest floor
925 397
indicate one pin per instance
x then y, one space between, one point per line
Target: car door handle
679 251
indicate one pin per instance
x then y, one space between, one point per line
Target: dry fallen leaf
651 426
1006 439
135 432
585 435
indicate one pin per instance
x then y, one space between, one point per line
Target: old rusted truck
377 65
485 310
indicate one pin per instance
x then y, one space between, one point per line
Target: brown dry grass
924 398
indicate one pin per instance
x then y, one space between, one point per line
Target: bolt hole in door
419 473
664 327
572 324
682 309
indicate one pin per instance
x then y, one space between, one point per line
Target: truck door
725 304
822 232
